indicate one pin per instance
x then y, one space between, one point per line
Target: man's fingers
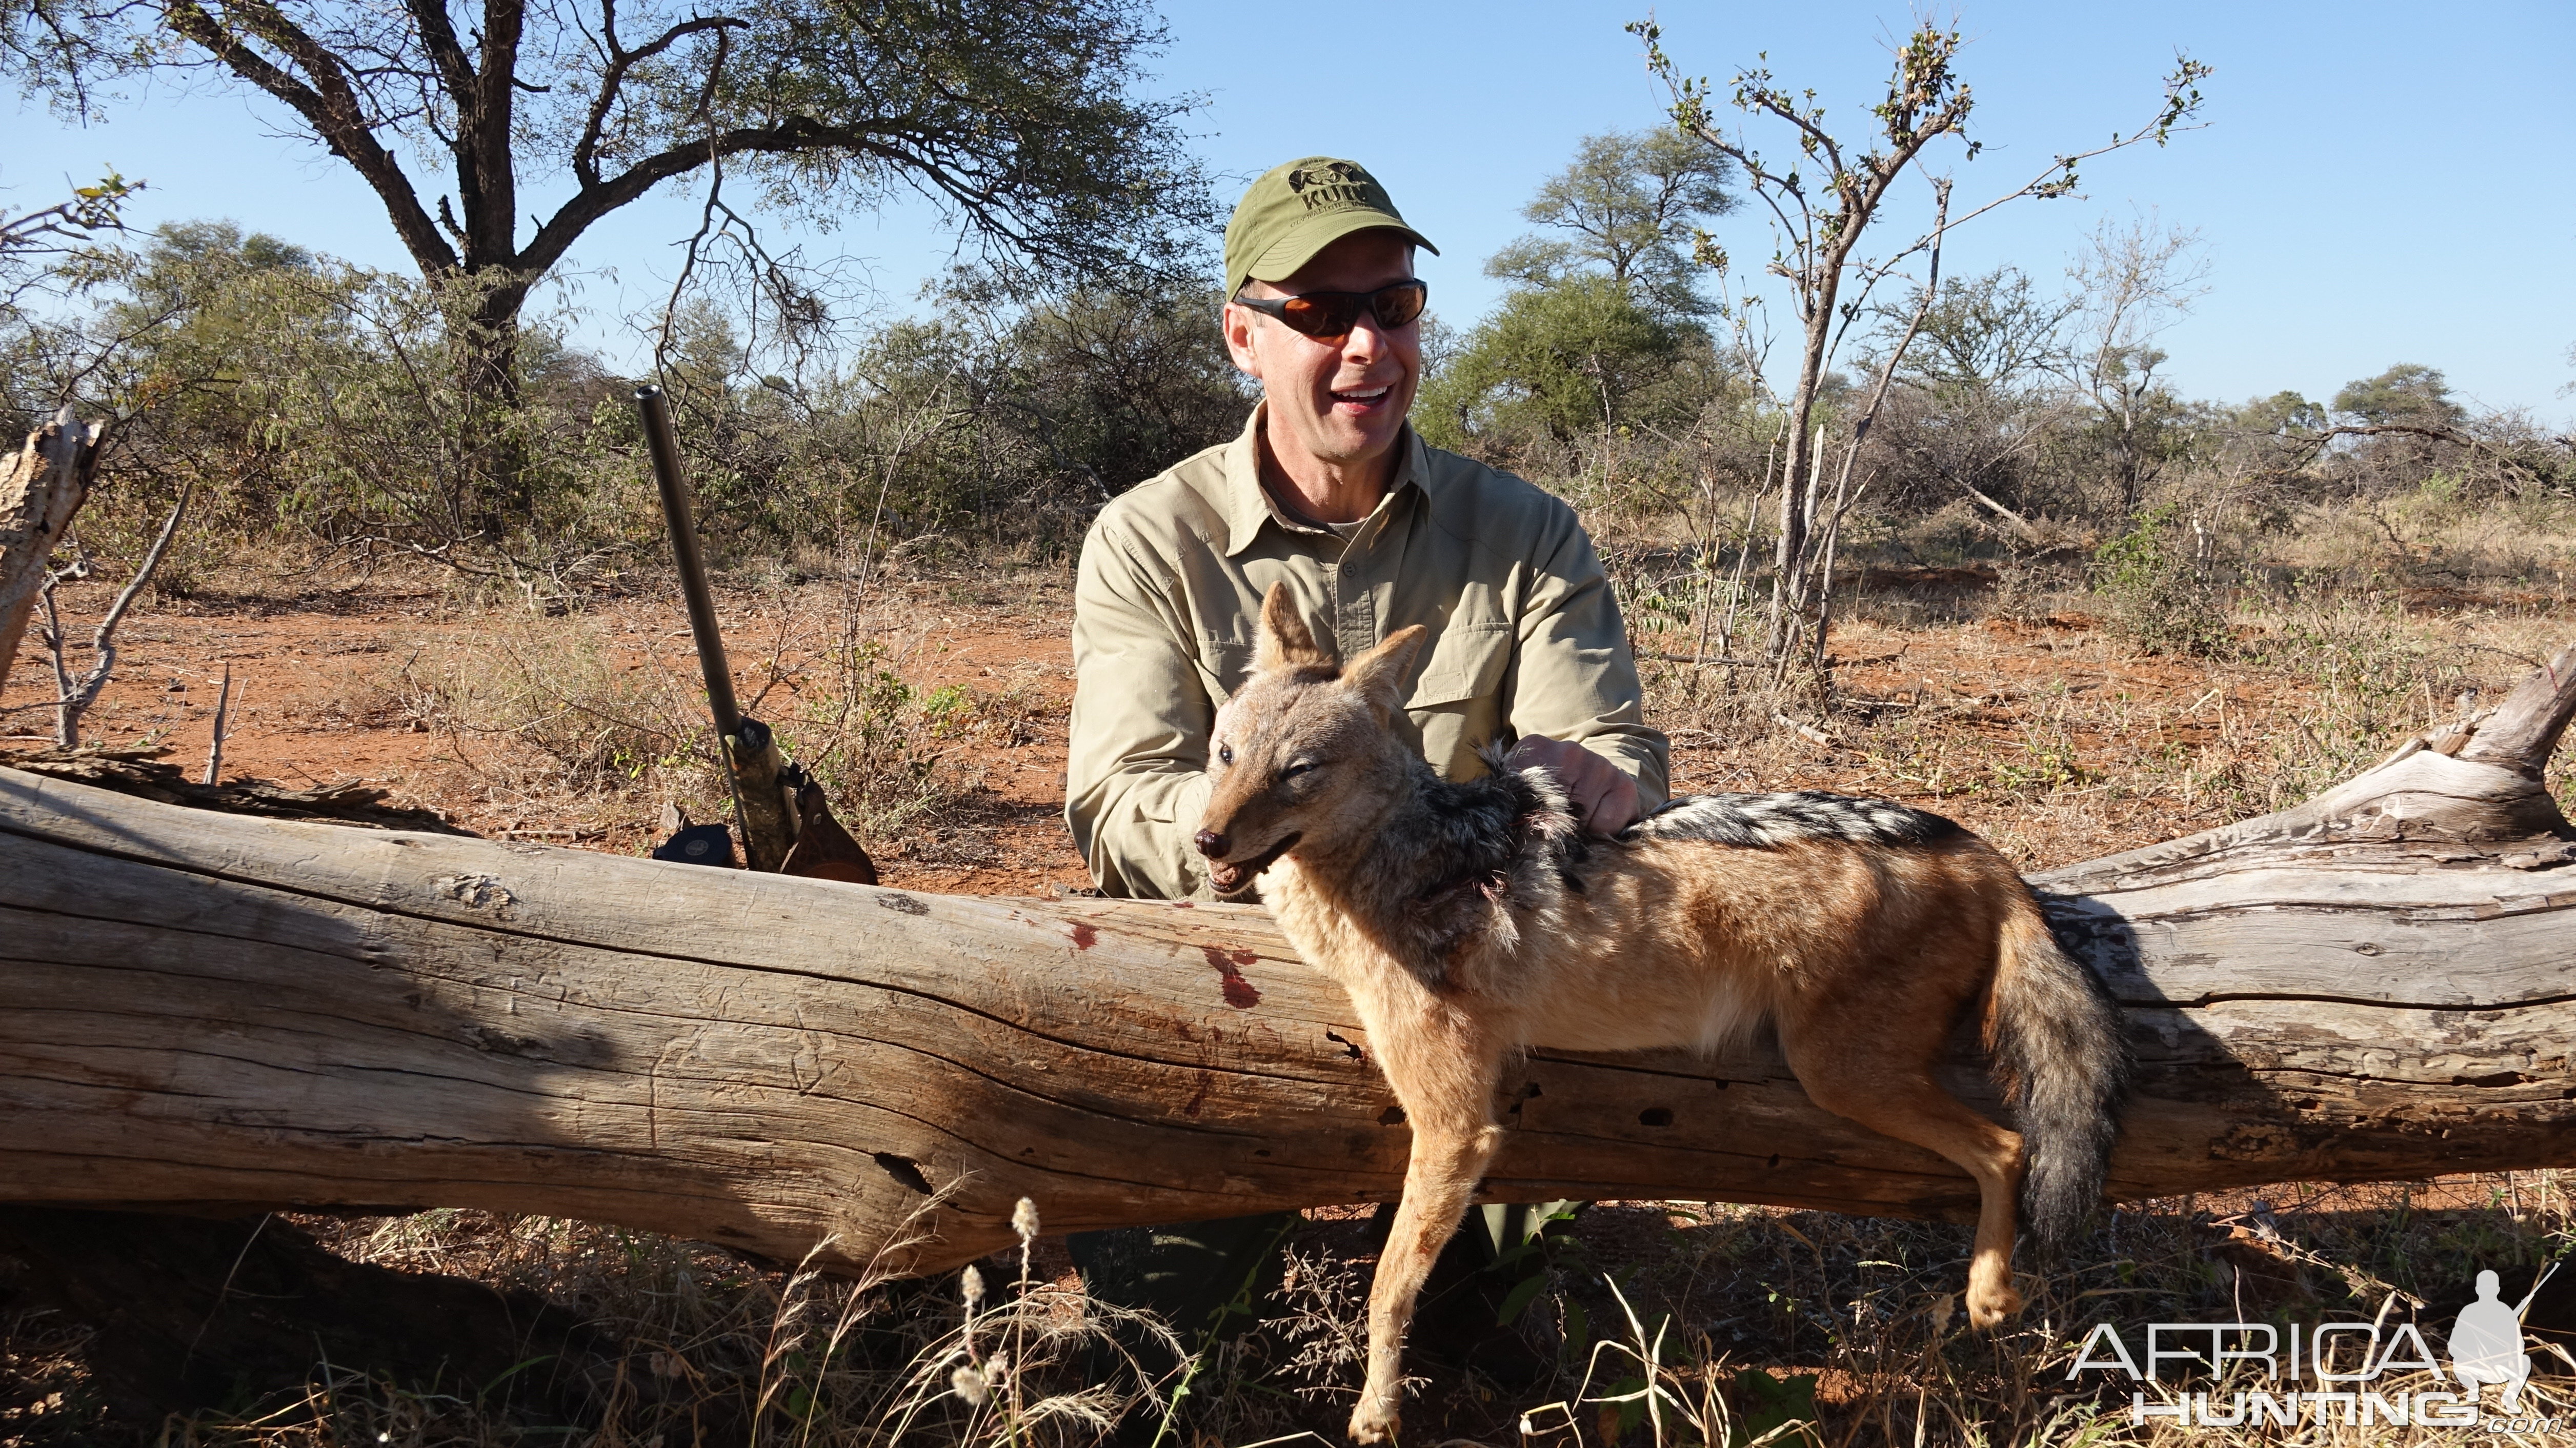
1616 808
1602 796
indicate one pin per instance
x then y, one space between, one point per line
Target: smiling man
1330 490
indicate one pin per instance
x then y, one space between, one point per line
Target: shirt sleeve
1136 764
1575 678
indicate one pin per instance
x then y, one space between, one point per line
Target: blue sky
2377 183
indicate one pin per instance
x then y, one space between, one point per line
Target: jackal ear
1379 674
1286 642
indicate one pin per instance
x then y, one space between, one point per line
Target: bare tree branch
330 106
74 698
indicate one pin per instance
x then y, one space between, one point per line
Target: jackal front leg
1447 1087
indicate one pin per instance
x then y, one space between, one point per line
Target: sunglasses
1329 316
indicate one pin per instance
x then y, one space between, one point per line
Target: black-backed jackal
1470 920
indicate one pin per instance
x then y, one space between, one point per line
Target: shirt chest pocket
1223 666
1456 704
1466 664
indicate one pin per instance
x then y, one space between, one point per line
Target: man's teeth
1371 395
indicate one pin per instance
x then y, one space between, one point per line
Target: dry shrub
546 708
569 718
2162 589
899 759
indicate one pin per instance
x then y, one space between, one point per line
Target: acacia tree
1018 119
1819 218
2134 282
1629 207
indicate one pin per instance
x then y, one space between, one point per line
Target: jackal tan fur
1468 921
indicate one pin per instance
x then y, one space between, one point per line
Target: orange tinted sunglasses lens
1328 316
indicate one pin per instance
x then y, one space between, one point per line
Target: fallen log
218 1013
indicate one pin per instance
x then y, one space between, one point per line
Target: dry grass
2062 741
593 722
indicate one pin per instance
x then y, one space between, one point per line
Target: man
1330 490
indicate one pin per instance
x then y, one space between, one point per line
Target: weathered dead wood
208 1009
41 487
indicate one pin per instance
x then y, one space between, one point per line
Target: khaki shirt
1526 638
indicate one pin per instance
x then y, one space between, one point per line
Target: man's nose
1367 338
1210 843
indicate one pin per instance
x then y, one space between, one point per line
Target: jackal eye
1296 767
1225 753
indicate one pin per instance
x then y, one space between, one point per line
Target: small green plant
2162 596
895 757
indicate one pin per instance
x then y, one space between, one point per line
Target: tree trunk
487 363
1797 484
40 489
217 1011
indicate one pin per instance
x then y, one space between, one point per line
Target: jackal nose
1210 843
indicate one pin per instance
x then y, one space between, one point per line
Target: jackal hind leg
1448 1097
1893 1094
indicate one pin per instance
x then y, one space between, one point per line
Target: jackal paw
1373 1422
1990 1306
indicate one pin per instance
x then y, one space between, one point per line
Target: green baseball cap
1296 210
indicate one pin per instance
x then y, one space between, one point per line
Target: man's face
1341 402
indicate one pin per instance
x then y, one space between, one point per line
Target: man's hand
1604 797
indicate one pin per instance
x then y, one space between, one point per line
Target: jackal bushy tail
2057 1034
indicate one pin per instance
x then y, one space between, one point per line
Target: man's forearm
1134 830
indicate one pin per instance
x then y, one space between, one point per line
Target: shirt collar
1248 505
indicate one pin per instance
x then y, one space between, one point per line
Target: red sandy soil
310 713
1971 699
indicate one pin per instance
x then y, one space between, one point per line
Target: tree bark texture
209 1011
41 487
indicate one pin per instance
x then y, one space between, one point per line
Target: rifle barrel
681 513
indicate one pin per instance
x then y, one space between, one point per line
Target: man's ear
1237 324
1286 642
1379 674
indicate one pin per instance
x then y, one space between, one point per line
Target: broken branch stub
41 488
213 1009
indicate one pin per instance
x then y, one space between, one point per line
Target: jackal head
1301 756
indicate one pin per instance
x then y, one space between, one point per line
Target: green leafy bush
2162 595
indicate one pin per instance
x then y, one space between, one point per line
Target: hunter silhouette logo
2353 1373
1330 182
2486 1341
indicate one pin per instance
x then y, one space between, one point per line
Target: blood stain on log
1239 993
1085 936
